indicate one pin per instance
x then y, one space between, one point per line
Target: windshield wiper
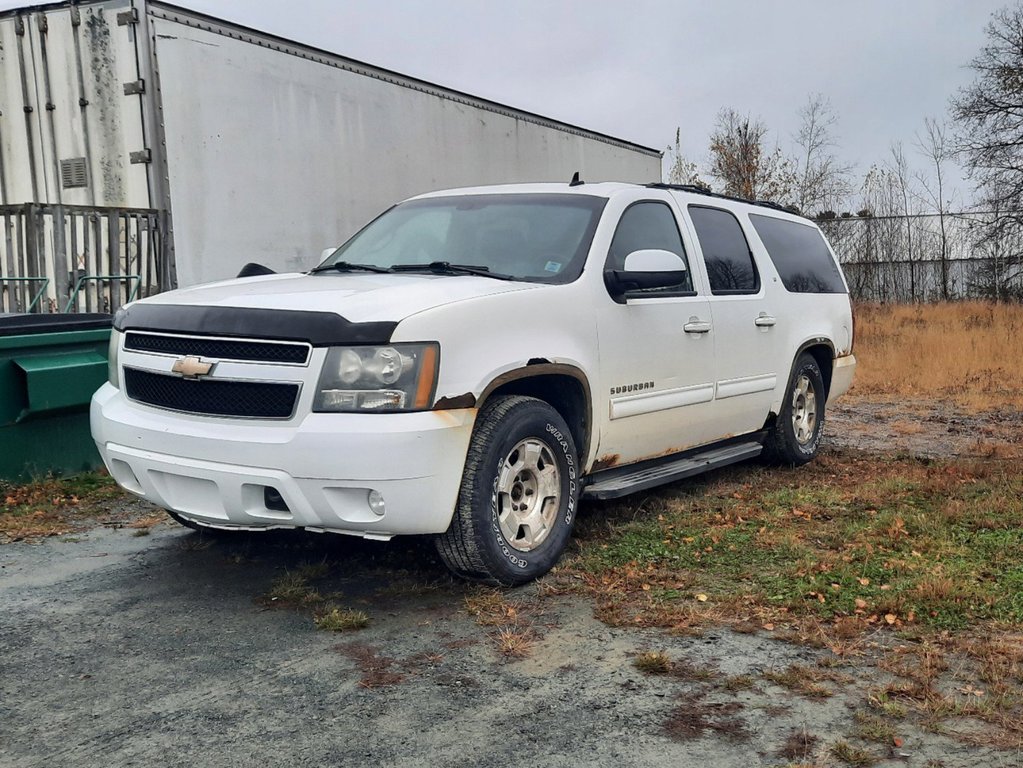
447 268
346 266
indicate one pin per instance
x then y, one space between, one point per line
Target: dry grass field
968 353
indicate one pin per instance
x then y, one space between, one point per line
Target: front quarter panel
486 338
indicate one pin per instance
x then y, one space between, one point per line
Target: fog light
376 503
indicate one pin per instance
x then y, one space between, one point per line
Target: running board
621 483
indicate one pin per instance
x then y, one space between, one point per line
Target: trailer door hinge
142 156
76 16
136 86
131 16
44 25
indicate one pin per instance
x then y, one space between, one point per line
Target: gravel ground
122 649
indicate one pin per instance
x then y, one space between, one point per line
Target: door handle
696 325
764 320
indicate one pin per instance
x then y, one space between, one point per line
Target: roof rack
704 191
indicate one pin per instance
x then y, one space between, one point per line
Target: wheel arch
564 387
823 351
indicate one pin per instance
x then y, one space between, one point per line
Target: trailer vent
73 173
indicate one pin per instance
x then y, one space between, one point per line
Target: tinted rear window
800 255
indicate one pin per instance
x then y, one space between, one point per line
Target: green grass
884 541
341 620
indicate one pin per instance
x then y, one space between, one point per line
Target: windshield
533 237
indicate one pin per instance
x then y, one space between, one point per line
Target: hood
358 297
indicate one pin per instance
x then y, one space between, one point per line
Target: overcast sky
640 68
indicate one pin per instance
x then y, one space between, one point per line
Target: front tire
795 437
518 497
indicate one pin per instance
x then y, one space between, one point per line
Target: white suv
474 361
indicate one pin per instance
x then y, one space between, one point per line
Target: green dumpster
49 367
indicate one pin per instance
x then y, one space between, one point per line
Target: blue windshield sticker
553 266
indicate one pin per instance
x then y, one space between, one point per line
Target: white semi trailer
144 146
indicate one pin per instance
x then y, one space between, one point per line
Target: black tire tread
777 448
459 546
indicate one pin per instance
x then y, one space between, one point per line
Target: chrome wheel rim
528 494
804 410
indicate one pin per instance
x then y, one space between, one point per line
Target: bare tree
743 164
934 146
682 170
989 140
989 114
822 182
898 168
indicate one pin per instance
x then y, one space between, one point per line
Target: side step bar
617 483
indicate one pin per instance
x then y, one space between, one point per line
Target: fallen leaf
646 587
701 597
769 627
861 603
890 618
897 741
864 582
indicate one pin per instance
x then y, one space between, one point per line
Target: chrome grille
219 349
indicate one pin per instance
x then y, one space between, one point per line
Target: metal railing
69 258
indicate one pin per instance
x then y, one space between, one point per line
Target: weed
652 663
799 745
736 683
693 717
854 756
515 643
887 706
799 679
336 619
489 608
376 670
292 589
872 728
141 532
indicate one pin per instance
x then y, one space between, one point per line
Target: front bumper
216 471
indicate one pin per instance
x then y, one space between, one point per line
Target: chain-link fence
929 257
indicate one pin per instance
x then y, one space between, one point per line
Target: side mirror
648 268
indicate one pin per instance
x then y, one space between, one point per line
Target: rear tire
795 437
518 497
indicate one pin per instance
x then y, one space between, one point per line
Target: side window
726 253
799 254
649 225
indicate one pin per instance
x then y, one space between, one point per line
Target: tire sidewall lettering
553 437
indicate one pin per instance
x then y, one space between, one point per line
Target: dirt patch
923 428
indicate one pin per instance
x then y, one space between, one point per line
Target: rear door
745 312
656 349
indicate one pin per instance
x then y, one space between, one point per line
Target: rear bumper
216 471
842 375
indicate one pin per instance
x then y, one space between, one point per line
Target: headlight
397 377
115 344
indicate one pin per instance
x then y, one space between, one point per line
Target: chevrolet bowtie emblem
192 367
